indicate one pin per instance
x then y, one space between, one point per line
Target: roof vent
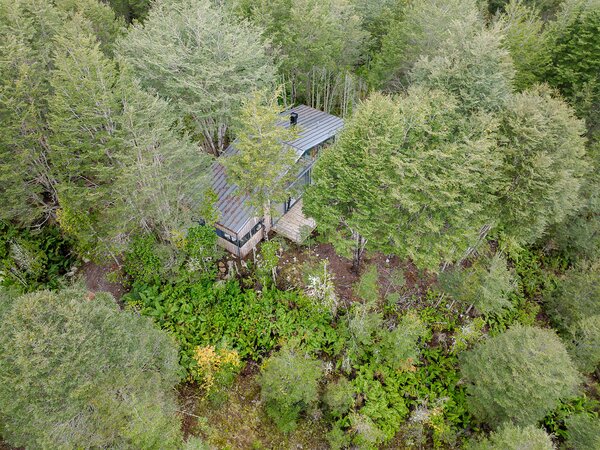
293 118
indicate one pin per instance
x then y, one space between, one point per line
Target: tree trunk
359 248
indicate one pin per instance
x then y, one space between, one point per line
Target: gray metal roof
314 127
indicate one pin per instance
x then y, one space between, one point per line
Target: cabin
240 227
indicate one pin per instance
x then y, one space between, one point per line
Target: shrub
398 347
30 261
339 397
585 344
511 437
573 308
576 297
486 285
77 372
289 385
518 376
144 260
583 432
214 366
202 252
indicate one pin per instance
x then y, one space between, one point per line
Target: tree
583 431
511 437
526 39
196 54
575 70
573 308
321 42
475 69
262 165
423 29
289 384
163 177
27 31
485 285
78 372
518 376
578 236
543 163
413 177
84 143
347 197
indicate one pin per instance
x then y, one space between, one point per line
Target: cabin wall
252 242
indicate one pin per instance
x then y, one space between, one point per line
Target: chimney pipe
293 118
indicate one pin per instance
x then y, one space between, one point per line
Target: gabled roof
314 127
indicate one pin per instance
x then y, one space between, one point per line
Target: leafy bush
202 252
224 315
289 385
576 297
485 285
144 262
77 372
512 437
214 366
584 432
518 376
398 348
573 308
339 397
30 261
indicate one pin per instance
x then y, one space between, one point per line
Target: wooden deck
294 225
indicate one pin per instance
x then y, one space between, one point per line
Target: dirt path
95 277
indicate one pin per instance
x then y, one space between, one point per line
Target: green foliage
518 376
573 308
253 324
269 259
30 261
77 372
339 397
555 422
526 39
575 69
202 251
289 385
474 69
218 62
143 262
367 287
584 431
576 297
486 284
512 437
398 348
261 167
543 152
420 30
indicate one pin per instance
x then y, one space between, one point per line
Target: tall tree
526 38
163 175
423 29
198 55
575 69
27 31
412 177
83 113
475 69
348 198
518 376
543 163
78 372
262 166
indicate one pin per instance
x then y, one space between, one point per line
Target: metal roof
314 127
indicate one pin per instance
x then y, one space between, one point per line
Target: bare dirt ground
95 277
417 282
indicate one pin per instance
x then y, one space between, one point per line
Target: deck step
293 224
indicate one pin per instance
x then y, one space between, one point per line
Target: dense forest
448 298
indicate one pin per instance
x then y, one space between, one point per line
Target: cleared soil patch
95 277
